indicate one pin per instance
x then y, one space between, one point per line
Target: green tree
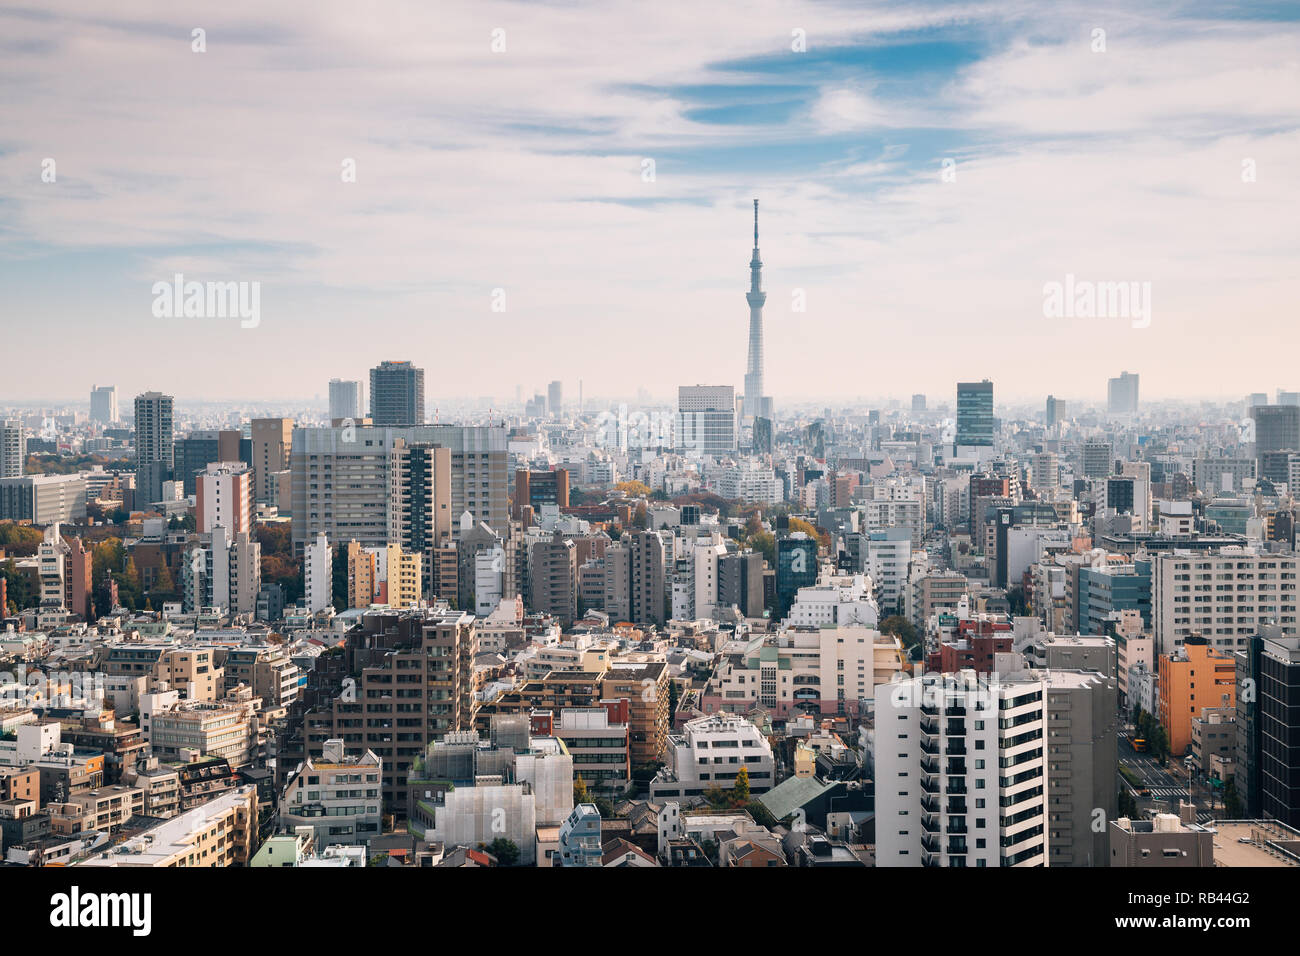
506 852
1234 808
674 696
764 542
900 627
741 789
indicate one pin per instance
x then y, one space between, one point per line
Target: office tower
1052 414
555 578
706 419
272 441
796 567
1257 398
1268 726
199 449
755 402
342 481
13 449
1096 457
740 582
762 440
975 424
961 777
318 574
918 402
224 498
1288 398
345 400
1277 428
153 446
1122 394
539 489
103 404
555 398
397 394
44 499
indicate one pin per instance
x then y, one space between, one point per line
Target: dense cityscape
393 478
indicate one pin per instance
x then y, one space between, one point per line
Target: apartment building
961 772
416 686
598 740
100 809
272 441
341 482
212 729
1192 677
1225 596
710 753
825 670
220 832
645 686
338 795
223 498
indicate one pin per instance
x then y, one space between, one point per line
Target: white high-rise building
103 404
706 419
346 400
13 449
318 573
961 779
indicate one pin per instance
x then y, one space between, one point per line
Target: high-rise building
1277 428
318 574
1122 394
345 400
13 449
706 419
1268 726
1052 414
555 578
961 774
272 441
224 498
199 449
103 404
153 445
1096 459
796 567
555 398
918 402
419 503
755 403
342 479
975 424
1046 472
397 394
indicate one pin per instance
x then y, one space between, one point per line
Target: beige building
210 729
337 795
221 832
272 442
99 809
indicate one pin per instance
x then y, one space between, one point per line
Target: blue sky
523 171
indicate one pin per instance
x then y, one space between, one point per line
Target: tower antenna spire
755 223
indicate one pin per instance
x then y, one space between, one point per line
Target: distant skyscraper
918 402
397 394
1122 394
755 403
706 419
1277 428
975 414
345 399
103 404
153 445
1288 398
555 398
13 449
1053 413
271 443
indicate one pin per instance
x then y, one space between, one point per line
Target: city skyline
924 175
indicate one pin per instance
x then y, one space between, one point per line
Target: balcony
929 785
930 804
956 787
929 747
930 844
956 806
929 823
929 765
929 726
956 728
956 768
955 710
956 846
956 748
956 827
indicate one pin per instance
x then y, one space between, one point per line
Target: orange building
1191 678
